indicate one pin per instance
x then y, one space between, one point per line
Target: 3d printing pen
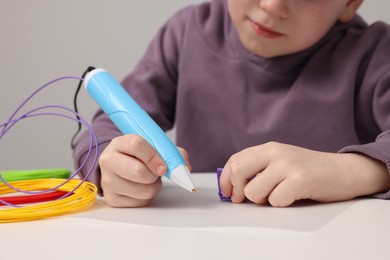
130 118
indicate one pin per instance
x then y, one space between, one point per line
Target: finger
287 192
185 157
127 167
233 166
239 169
114 184
136 146
120 201
261 186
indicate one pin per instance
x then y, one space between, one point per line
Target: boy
290 97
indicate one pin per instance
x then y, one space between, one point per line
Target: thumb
156 164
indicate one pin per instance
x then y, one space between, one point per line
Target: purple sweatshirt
196 75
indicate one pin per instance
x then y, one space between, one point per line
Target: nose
275 8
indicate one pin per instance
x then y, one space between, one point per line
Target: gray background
45 39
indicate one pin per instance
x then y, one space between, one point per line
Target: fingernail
161 169
234 199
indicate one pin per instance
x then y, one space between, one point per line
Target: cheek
319 26
237 9
232 7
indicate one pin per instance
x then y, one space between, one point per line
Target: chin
262 52
259 48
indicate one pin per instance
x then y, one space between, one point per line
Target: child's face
271 28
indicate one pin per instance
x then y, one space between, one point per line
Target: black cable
90 68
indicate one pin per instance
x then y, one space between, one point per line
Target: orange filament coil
82 197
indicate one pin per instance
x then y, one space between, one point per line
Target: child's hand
281 174
131 171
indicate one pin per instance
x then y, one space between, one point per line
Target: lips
264 31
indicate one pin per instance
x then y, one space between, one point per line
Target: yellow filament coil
82 197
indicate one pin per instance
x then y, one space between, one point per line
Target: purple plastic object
223 198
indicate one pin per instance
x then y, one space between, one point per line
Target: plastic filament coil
82 197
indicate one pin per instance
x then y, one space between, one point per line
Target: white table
182 225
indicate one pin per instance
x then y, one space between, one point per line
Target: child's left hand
281 174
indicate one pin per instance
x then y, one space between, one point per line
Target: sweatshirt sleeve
373 101
380 148
152 84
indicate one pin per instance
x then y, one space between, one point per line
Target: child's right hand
131 171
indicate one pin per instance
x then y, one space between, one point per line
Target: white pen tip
181 176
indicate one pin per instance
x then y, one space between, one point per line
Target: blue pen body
129 117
